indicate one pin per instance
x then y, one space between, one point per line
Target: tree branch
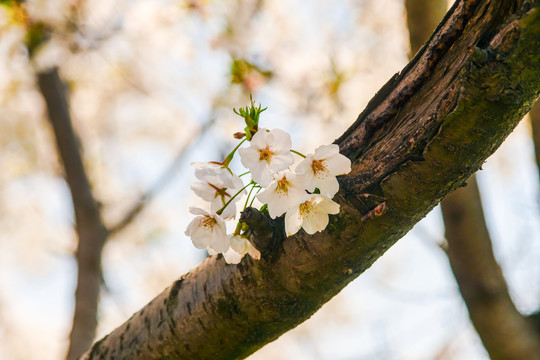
91 232
451 113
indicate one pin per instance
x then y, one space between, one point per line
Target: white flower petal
262 175
203 190
329 186
204 169
328 206
293 221
199 237
239 244
253 252
314 223
261 138
339 165
282 139
284 193
232 257
219 241
268 152
249 157
281 162
304 165
326 151
198 211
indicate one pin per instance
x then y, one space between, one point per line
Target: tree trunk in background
534 116
423 16
506 334
422 135
91 232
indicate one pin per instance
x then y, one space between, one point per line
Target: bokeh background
152 85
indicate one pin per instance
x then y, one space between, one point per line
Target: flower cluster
303 194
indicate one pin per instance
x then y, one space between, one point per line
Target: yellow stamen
283 186
266 154
209 222
319 167
305 208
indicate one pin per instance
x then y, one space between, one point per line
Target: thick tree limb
91 232
452 107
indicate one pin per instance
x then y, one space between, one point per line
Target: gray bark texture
422 135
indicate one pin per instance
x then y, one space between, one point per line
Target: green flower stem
298 153
229 157
249 195
220 211
258 190
247 172
238 229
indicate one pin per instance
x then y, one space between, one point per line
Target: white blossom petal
322 167
328 187
281 161
268 152
204 169
311 215
293 221
314 223
339 165
207 230
232 257
218 190
239 247
285 192
219 242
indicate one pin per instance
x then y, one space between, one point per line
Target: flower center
305 208
221 192
266 154
283 186
209 222
319 167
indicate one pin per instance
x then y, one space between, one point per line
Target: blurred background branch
505 333
89 226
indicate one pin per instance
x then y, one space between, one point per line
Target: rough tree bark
91 231
505 333
426 131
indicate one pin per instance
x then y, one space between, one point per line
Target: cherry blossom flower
312 215
269 152
240 246
218 187
285 192
204 169
322 167
208 231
